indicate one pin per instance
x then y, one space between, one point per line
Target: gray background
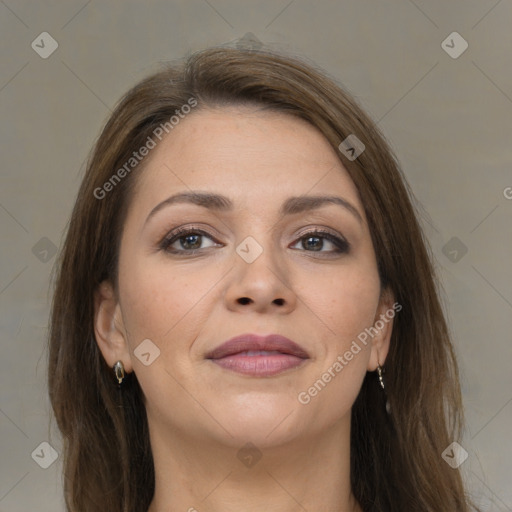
448 119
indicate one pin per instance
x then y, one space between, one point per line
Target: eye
186 241
190 240
316 241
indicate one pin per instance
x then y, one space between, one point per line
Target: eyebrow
218 202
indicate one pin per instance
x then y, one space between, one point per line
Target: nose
260 286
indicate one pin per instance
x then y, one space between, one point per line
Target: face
256 261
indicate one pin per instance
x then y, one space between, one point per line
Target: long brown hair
396 461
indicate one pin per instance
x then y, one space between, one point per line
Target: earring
379 371
119 371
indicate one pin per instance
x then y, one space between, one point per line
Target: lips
258 356
255 343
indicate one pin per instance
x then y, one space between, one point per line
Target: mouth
259 356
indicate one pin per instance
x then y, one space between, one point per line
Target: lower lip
259 365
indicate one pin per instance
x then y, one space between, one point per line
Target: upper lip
246 342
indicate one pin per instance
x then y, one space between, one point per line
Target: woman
245 313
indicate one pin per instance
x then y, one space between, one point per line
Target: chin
264 423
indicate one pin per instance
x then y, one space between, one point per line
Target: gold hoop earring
119 371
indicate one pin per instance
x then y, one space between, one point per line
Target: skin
201 415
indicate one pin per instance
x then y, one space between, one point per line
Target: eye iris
313 242
194 240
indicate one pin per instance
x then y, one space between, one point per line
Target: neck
197 475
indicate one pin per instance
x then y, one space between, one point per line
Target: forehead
252 155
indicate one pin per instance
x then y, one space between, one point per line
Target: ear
382 329
109 327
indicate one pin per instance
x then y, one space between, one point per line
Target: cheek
347 307
159 298
344 300
170 305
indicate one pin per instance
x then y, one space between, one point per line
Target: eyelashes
185 234
189 241
312 237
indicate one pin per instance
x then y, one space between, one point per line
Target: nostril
247 300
